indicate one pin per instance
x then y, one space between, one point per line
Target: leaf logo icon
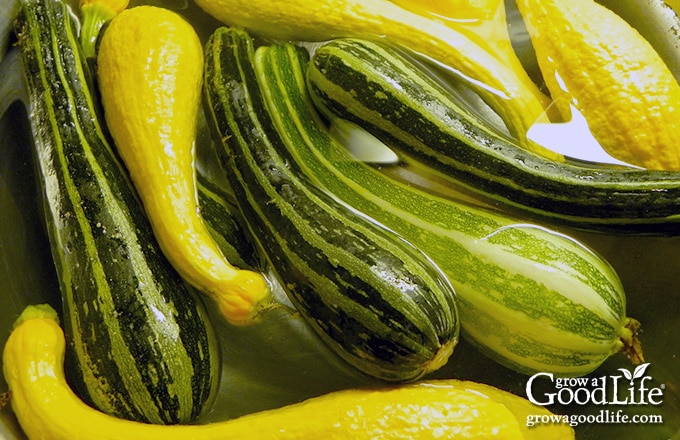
640 370
637 373
626 374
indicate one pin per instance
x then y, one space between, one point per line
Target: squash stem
632 347
38 311
5 399
95 16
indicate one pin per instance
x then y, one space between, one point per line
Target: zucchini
528 297
383 91
374 299
140 345
225 224
218 207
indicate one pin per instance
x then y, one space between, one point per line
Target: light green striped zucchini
140 345
374 299
395 98
530 298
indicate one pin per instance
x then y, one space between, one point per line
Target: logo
629 388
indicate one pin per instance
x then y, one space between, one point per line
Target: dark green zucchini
382 90
140 345
218 206
529 297
373 298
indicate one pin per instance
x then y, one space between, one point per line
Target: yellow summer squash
150 70
594 60
47 408
483 21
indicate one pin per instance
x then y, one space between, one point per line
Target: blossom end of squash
244 299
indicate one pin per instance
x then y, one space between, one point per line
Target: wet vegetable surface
258 379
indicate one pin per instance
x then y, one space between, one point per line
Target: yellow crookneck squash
48 409
593 60
150 69
483 21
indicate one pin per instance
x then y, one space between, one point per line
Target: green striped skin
376 87
140 345
375 300
530 298
224 222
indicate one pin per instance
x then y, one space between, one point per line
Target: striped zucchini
396 99
374 299
140 345
530 298
218 206
226 226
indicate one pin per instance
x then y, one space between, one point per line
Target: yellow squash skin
150 68
48 409
115 6
515 98
592 59
484 21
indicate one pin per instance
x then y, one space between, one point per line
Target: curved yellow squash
47 408
150 70
592 59
484 21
